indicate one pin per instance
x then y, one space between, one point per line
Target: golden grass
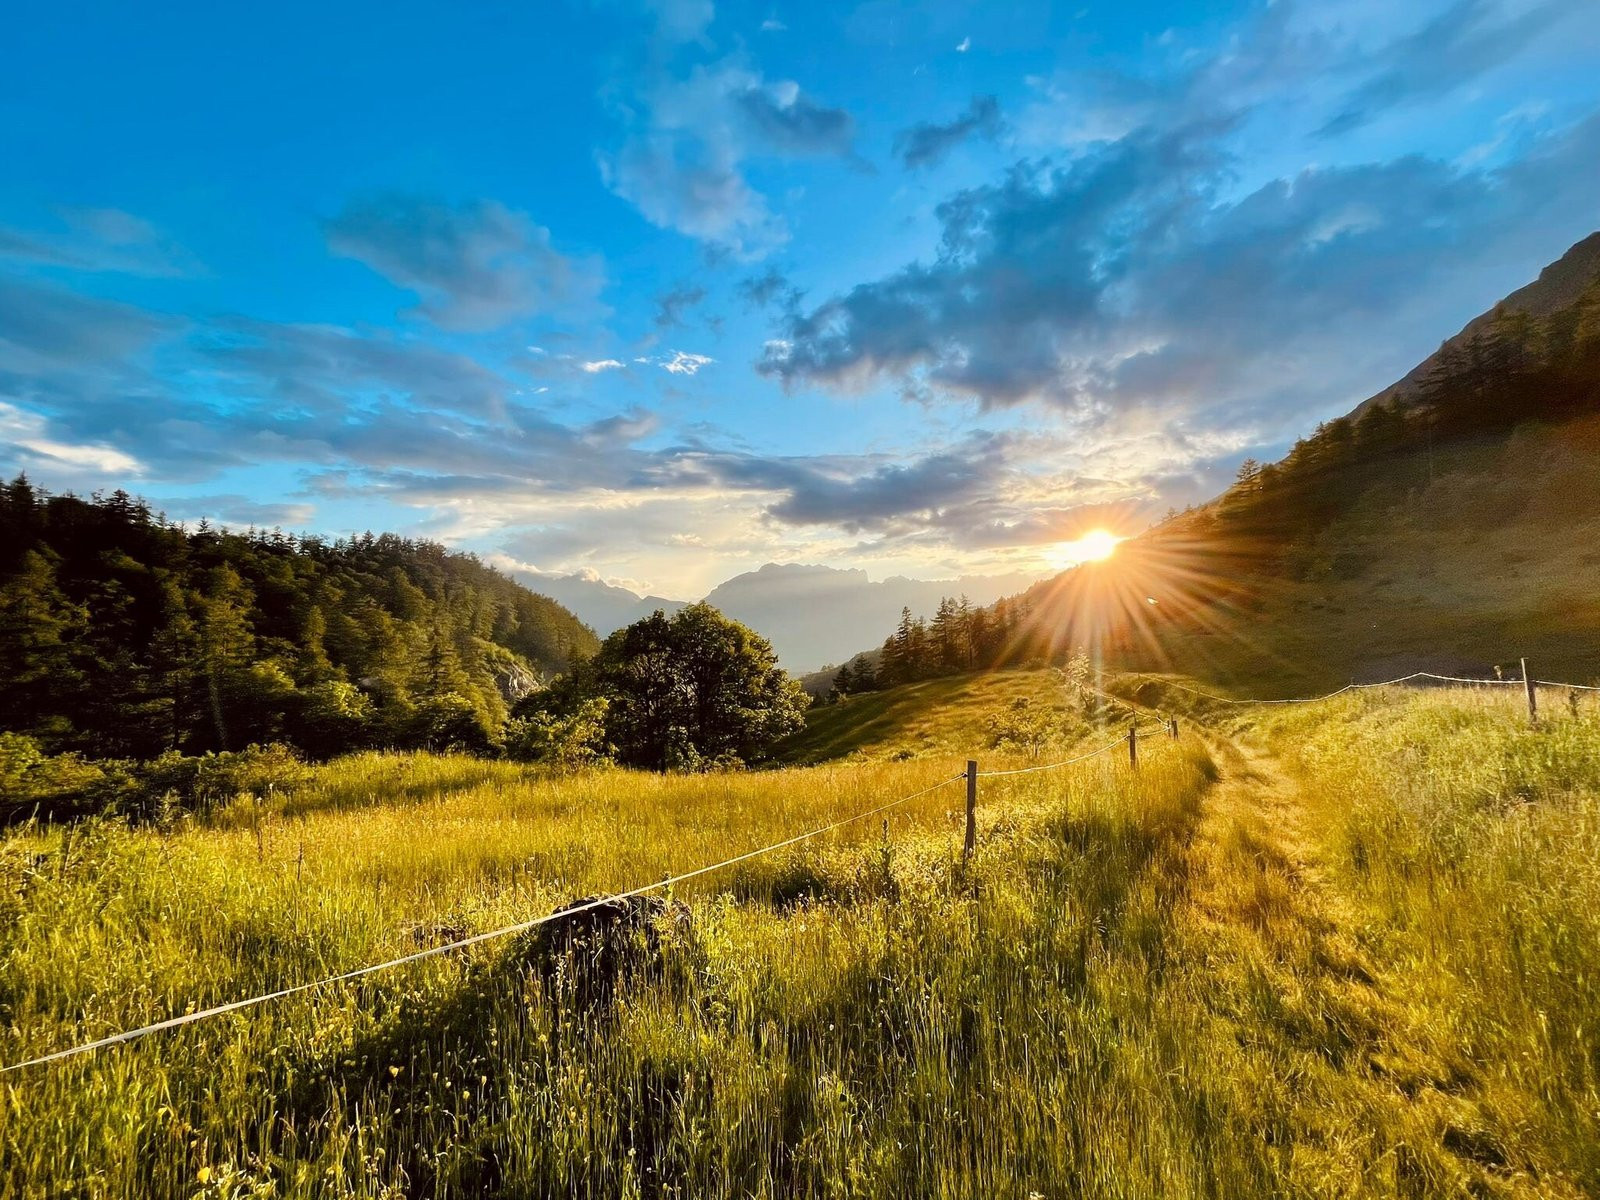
1341 951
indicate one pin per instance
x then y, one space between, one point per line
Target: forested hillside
1451 521
124 635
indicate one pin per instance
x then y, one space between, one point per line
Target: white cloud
600 364
30 433
964 45
686 364
683 161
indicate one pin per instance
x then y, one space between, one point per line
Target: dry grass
1357 956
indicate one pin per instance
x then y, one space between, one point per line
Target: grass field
1345 950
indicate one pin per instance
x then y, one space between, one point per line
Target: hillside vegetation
1341 950
1027 712
1451 522
123 635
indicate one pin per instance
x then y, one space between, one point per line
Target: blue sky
665 291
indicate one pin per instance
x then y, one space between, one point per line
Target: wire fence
1129 739
473 940
1106 749
1351 687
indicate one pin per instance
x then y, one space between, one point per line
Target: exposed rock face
582 959
515 681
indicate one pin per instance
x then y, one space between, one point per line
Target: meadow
1347 949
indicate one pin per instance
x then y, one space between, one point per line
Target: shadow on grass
836 730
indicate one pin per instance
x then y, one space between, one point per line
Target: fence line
521 927
972 774
1519 682
1579 687
1107 748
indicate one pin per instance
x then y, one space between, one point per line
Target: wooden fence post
1133 744
1533 694
1172 727
972 812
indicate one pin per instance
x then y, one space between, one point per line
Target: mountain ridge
812 613
1559 286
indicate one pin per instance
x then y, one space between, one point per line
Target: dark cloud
856 496
1466 40
926 144
670 306
325 369
1134 275
790 122
42 324
1022 272
758 291
474 266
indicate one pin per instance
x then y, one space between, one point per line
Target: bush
65 786
51 786
571 739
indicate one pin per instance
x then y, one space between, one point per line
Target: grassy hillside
1339 950
954 716
1474 556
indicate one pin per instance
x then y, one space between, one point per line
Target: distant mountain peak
812 613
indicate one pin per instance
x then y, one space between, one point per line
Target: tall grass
835 1000
1469 843
1348 950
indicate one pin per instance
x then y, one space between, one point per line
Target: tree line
960 636
125 635
146 667
1512 369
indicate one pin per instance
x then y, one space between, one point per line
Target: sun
1095 546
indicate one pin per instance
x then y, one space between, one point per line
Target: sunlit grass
1363 963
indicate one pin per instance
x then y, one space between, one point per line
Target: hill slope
1452 525
1452 522
121 634
1559 288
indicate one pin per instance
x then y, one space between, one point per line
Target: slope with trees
124 635
1448 522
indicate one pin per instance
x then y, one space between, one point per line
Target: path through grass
1341 951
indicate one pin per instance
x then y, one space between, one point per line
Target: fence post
1533 694
972 812
1133 744
1172 727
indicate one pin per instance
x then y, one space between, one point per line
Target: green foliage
124 636
34 784
692 690
576 738
1024 727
